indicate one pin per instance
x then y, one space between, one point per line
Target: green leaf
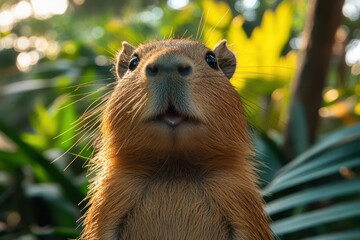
67 232
315 194
53 125
13 159
36 159
345 235
46 121
267 156
315 218
36 140
67 116
273 188
338 138
325 160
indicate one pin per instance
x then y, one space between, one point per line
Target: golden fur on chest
186 207
175 209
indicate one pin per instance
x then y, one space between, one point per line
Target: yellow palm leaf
218 14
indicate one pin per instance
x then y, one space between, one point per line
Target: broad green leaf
337 189
316 218
267 157
345 235
36 140
53 125
63 81
36 159
273 188
335 139
67 117
14 159
324 160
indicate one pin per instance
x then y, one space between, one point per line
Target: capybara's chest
174 210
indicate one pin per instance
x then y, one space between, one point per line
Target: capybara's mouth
172 117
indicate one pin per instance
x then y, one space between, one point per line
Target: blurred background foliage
55 65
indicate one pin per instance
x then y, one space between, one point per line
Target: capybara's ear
123 59
226 59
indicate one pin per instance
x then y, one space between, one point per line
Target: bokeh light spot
45 9
22 10
177 4
331 95
23 62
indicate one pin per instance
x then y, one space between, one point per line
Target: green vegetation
56 66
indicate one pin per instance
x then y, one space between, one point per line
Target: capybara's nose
169 64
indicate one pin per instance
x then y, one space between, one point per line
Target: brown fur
192 181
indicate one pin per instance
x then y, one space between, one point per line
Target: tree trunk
324 17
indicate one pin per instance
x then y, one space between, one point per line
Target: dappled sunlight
31 48
46 9
177 4
35 8
351 9
331 95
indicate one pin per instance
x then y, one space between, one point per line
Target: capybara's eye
134 61
211 60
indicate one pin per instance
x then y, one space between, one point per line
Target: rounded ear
123 59
226 59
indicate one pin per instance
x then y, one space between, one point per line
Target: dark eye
134 61
211 60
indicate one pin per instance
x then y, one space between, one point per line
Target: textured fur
192 181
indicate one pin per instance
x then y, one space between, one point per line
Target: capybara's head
173 100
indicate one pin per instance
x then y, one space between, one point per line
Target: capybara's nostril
184 70
152 70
